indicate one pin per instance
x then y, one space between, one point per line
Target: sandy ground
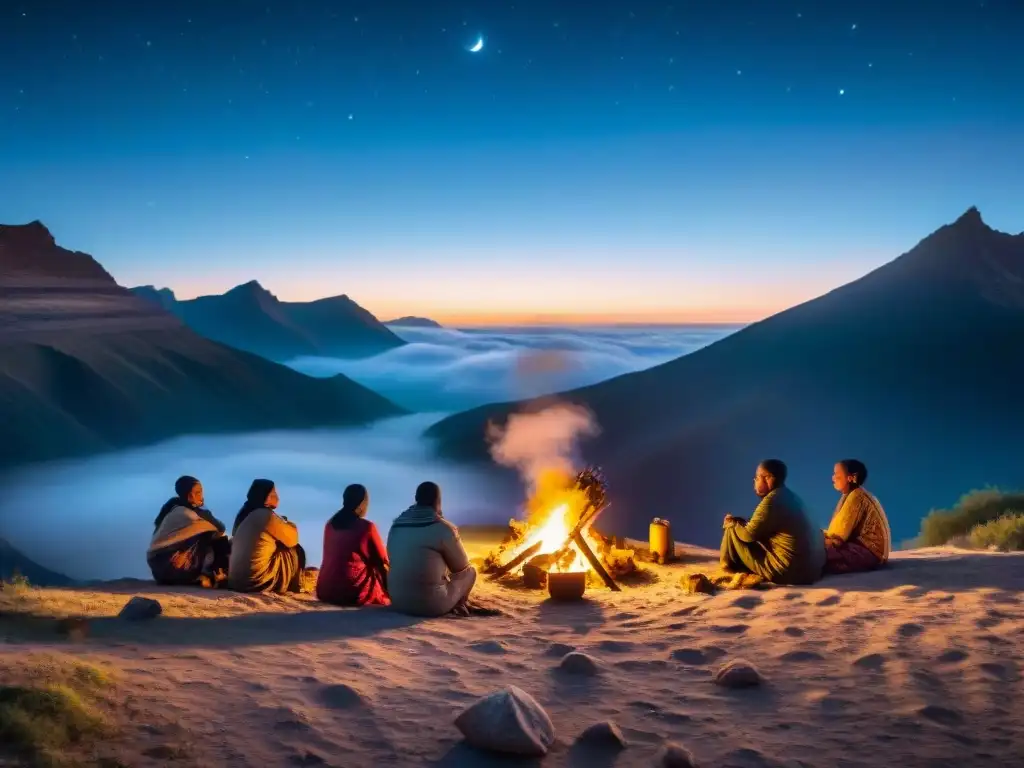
916 665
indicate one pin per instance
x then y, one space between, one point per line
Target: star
350 116
842 91
854 26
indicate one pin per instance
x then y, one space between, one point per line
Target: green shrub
1005 533
974 509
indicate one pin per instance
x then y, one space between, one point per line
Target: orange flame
552 512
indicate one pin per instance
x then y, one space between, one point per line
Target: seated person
355 565
430 571
779 544
858 538
265 553
188 547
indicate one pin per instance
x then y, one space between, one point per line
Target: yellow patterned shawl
859 517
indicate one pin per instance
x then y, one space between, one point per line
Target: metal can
662 547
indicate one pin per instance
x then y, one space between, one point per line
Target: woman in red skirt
355 564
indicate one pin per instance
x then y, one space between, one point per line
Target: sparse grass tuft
1005 533
17 582
52 713
974 509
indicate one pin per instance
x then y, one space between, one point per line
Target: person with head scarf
430 571
858 537
188 547
355 565
265 554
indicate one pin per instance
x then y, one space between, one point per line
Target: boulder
508 721
141 609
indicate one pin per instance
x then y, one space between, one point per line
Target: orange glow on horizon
668 317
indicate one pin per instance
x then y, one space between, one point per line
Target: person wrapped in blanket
189 546
265 553
858 537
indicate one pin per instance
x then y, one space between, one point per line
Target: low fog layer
93 519
451 370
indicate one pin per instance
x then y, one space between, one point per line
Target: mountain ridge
251 318
88 366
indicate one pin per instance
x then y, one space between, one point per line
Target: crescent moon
477 46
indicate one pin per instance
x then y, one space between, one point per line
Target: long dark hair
254 499
182 488
354 503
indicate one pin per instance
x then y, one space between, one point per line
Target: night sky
614 160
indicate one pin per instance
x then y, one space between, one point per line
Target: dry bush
1005 534
52 710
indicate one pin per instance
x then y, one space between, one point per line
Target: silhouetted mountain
13 564
415 322
87 366
250 317
916 368
163 296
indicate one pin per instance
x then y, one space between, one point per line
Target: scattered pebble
738 674
606 735
697 584
672 755
141 609
578 663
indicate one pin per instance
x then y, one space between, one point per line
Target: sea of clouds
452 370
93 518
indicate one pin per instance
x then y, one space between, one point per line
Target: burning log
595 563
522 557
515 536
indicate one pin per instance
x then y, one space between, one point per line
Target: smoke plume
543 442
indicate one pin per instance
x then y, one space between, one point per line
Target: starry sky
611 161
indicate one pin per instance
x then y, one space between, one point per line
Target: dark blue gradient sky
621 160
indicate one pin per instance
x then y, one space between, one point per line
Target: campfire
558 537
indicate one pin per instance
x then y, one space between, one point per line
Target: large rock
509 721
141 609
